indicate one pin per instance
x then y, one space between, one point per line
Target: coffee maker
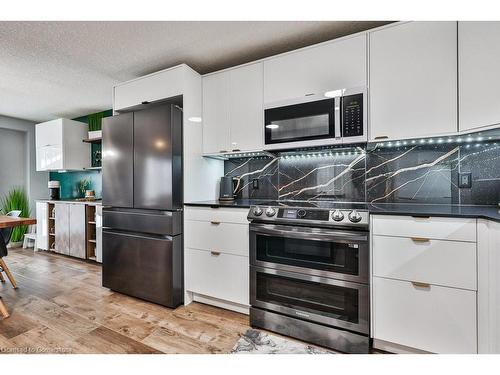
54 188
228 188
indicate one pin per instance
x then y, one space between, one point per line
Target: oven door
309 123
331 302
321 252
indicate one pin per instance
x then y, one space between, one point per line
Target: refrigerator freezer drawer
146 267
144 221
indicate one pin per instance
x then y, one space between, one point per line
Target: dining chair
6 235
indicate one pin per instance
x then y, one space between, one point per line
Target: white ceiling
67 69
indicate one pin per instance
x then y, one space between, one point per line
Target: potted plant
95 123
16 199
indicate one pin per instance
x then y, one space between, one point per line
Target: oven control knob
257 211
270 211
355 216
301 213
337 215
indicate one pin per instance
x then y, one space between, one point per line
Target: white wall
36 182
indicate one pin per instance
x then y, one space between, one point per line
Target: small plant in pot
16 199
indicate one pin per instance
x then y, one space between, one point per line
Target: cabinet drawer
226 215
224 276
227 238
446 263
436 319
441 228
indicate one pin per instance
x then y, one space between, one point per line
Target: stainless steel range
309 272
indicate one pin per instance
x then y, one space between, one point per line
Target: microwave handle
337 109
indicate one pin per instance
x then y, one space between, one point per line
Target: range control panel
352 115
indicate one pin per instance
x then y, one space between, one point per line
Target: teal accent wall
70 180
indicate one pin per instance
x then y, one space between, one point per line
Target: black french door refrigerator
142 204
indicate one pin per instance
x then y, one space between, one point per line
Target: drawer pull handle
215 253
423 217
215 222
381 137
417 284
420 239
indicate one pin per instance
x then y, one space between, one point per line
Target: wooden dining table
7 222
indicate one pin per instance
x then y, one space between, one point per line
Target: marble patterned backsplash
414 171
301 177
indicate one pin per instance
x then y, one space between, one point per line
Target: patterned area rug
257 342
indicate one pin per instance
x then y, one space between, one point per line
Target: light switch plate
465 180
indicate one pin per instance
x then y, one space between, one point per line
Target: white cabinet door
434 319
488 289
59 145
62 228
478 74
216 125
49 158
77 223
246 114
331 66
42 227
49 133
221 276
154 87
425 261
413 80
227 238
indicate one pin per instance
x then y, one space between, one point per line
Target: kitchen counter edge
476 212
70 201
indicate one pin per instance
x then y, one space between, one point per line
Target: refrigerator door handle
137 235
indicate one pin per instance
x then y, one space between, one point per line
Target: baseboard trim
396 348
221 303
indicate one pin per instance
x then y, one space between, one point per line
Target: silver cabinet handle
215 253
215 222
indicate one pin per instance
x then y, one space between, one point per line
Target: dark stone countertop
237 203
483 212
410 209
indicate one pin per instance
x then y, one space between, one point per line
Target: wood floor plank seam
61 307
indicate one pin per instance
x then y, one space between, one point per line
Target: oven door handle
271 230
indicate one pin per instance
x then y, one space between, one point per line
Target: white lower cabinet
434 319
424 284
216 257
218 275
488 289
70 228
427 261
42 226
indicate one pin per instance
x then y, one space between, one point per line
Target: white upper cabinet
478 74
413 80
313 71
216 132
232 110
154 87
59 145
246 114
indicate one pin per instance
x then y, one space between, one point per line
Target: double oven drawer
314 274
330 253
319 299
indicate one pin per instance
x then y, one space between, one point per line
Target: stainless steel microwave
336 117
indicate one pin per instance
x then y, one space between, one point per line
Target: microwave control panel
352 115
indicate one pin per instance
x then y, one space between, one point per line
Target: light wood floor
60 307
